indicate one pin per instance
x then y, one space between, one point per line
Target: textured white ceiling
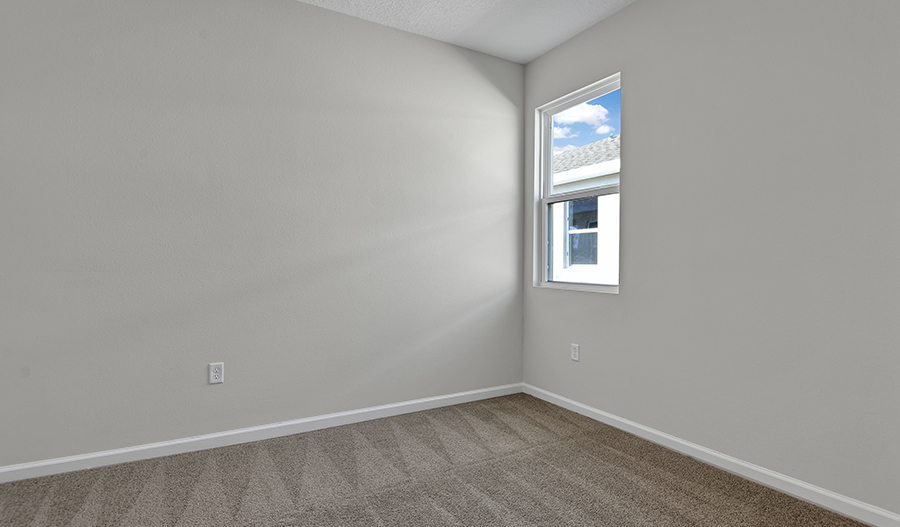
516 30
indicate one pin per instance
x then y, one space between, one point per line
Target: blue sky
587 123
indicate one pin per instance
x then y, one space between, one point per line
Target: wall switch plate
576 352
216 372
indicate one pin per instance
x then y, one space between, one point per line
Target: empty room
462 262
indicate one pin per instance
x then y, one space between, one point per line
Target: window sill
573 286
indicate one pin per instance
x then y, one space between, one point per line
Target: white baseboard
822 497
243 435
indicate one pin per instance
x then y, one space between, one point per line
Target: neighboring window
577 166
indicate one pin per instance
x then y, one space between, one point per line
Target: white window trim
543 157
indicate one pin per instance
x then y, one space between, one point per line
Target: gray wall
330 207
333 208
759 312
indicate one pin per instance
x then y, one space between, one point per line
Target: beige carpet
509 461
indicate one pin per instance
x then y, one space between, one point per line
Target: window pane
583 213
583 248
586 141
584 241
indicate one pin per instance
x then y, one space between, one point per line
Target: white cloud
604 129
560 132
592 114
560 150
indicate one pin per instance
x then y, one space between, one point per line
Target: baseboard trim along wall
244 435
822 497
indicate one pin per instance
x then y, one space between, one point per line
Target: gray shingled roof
589 154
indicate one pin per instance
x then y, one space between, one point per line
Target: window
577 169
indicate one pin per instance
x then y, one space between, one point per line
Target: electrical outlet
216 372
576 352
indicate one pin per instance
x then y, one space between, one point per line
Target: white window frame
543 171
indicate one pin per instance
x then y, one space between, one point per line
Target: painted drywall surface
759 312
330 207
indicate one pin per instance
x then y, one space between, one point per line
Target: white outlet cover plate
576 352
216 372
